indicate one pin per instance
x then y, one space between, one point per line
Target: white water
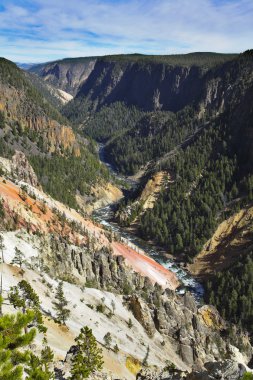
105 215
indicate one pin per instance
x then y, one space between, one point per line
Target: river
105 217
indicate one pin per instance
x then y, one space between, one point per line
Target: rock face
232 237
67 74
194 333
23 170
226 370
224 89
27 113
152 86
142 313
148 87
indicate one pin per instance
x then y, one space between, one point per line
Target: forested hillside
189 116
231 291
65 163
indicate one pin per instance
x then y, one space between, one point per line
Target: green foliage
60 303
15 356
231 291
13 343
145 360
247 376
206 181
116 349
205 59
2 120
24 297
43 89
111 120
2 212
88 357
108 339
37 368
155 134
5 150
127 288
100 308
13 76
19 257
63 177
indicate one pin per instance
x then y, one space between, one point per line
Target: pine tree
108 339
62 313
11 341
116 349
247 376
37 369
88 357
24 297
18 258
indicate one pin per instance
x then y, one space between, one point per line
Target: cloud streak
42 30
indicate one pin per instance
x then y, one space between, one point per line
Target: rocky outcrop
226 370
67 74
21 169
142 313
197 334
155 86
31 123
97 268
231 238
149 86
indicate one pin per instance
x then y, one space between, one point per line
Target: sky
45 30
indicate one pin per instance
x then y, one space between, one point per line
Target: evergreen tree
88 357
13 352
24 297
108 339
62 312
15 356
38 368
247 376
18 258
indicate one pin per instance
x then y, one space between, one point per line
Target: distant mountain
66 74
24 66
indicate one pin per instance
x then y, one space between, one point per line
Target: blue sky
44 30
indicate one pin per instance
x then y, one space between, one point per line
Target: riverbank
105 216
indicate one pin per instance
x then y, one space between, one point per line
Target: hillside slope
67 74
67 164
59 244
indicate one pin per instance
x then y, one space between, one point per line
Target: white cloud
51 29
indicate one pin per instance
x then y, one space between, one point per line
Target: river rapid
105 216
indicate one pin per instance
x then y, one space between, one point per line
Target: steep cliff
26 113
67 74
59 244
150 84
66 164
